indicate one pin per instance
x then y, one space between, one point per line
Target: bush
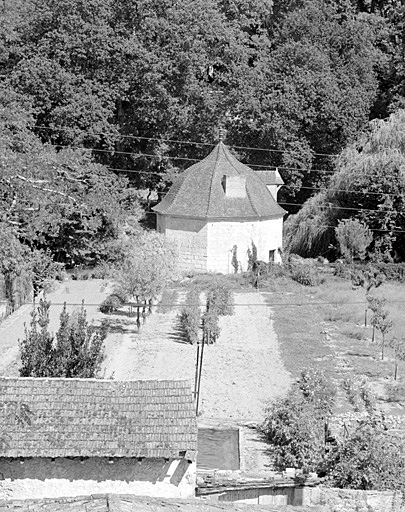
210 324
296 425
77 350
190 316
353 237
111 303
305 274
369 459
392 271
220 298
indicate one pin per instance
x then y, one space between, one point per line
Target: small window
271 256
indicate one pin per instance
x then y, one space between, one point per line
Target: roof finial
221 134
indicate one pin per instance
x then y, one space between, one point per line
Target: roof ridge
90 379
212 177
233 165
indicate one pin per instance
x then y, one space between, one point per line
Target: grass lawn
323 327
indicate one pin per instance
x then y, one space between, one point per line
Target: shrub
111 303
353 237
190 316
77 350
210 324
296 425
220 298
369 459
305 274
395 392
392 271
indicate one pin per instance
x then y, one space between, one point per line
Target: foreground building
73 437
218 209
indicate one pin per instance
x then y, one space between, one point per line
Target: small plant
306 274
252 257
234 262
376 305
383 324
398 346
368 279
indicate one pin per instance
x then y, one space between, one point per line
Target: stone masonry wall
222 236
47 478
347 500
190 237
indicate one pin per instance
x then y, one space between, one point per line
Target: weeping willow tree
311 231
368 185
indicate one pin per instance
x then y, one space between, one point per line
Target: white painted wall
208 246
42 478
222 236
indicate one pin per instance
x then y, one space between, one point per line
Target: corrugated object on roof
199 193
98 418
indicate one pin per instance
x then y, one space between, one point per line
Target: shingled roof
198 191
96 418
271 177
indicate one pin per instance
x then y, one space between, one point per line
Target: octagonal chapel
217 208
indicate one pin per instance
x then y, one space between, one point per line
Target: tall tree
369 186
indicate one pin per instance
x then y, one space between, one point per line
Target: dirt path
240 373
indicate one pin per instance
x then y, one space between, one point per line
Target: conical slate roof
199 192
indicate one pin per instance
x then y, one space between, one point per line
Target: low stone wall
346 500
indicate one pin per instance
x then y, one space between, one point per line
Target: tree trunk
144 313
373 337
138 314
382 347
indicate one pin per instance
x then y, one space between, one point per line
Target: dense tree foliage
369 186
126 79
301 77
55 200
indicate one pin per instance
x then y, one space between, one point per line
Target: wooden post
196 370
199 375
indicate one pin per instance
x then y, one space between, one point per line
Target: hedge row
190 316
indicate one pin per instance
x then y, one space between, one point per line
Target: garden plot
241 372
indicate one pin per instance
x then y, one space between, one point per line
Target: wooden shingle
99 418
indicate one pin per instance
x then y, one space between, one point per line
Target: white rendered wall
190 237
44 478
222 236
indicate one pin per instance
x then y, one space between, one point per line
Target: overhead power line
177 141
330 207
295 304
264 167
